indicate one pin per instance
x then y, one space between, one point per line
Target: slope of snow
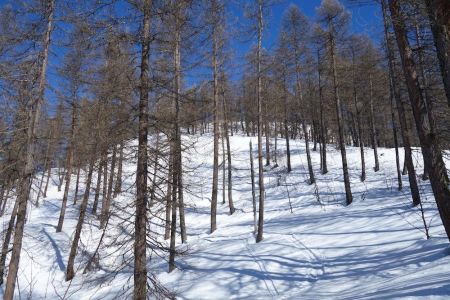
373 249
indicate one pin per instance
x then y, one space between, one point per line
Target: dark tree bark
230 173
322 122
107 203
408 162
169 197
97 187
215 183
439 14
77 186
140 224
259 236
118 184
70 272
348 192
68 169
373 134
6 241
252 174
431 151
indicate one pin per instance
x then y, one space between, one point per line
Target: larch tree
333 15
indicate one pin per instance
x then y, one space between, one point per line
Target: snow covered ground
373 249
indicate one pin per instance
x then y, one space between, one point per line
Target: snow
373 249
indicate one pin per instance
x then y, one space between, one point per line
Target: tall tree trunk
70 272
173 227
97 187
181 207
252 174
140 224
286 128
262 193
429 143
28 169
107 203
408 162
372 127
322 122
425 88
224 166
348 192
215 183
178 167
358 120
439 14
230 173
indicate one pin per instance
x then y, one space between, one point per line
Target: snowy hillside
314 247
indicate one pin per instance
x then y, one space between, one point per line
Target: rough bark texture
140 224
408 162
262 193
439 14
215 183
348 192
431 151
70 272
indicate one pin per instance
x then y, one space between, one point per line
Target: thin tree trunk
6 241
155 171
77 186
47 181
372 126
97 187
105 178
252 174
348 192
259 236
215 183
286 129
107 203
169 197
118 185
358 121
70 272
224 166
181 207
230 173
322 123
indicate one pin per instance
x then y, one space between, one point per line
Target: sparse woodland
103 100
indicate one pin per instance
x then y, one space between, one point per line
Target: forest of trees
86 86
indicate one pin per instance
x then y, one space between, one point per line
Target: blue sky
366 19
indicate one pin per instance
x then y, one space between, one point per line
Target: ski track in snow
373 249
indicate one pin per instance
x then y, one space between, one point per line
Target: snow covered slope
314 247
